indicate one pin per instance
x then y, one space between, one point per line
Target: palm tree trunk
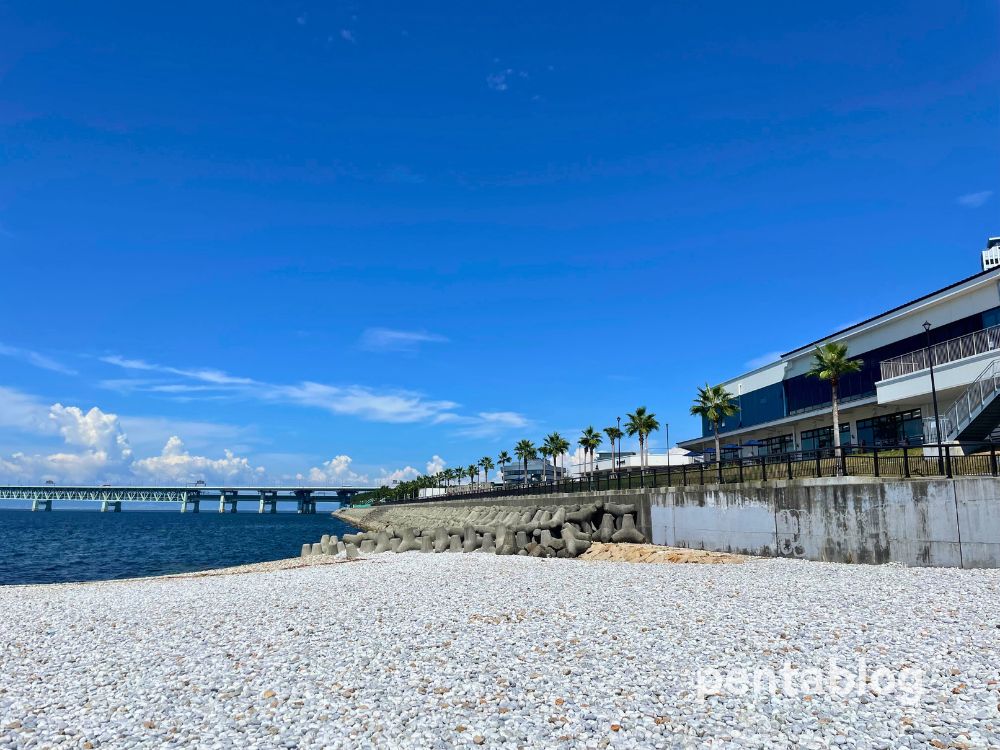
836 428
718 447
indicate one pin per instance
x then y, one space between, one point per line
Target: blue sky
352 237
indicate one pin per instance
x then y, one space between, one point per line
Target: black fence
897 462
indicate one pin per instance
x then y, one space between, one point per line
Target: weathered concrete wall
924 522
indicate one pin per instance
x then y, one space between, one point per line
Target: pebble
413 650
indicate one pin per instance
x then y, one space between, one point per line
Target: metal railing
969 345
886 461
967 407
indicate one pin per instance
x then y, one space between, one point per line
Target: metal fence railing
968 345
885 461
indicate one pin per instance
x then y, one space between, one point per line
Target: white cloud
301 20
391 340
399 475
575 462
348 36
763 359
34 358
435 465
336 471
94 430
176 466
974 200
104 449
97 448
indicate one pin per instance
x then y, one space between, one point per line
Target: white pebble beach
443 650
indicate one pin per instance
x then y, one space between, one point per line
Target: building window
776 444
902 428
822 437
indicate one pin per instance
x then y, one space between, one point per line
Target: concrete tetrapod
575 546
628 532
471 542
455 544
441 540
317 549
606 529
426 544
306 549
505 541
351 551
409 542
583 515
382 543
488 545
619 509
367 547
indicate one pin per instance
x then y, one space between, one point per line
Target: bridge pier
268 502
114 506
305 502
191 500
37 504
227 498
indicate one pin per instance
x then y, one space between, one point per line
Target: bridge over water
188 498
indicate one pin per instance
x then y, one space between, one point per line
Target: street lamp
619 461
937 416
666 429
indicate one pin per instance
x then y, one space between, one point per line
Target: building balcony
963 347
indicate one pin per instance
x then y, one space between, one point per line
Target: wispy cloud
348 36
392 340
35 359
763 359
487 424
397 406
498 81
502 79
301 20
974 200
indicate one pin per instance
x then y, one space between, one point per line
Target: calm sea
80 545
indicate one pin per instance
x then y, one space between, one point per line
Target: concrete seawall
921 522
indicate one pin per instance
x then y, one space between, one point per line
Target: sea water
82 545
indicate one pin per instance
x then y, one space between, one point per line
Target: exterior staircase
975 415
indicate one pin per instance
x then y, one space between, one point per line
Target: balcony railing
969 345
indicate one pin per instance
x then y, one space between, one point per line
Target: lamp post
937 416
666 429
618 459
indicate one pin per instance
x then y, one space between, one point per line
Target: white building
889 402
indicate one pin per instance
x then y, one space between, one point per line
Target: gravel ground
452 650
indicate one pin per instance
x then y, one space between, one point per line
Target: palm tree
486 463
543 452
641 423
714 403
503 459
556 445
830 362
562 446
613 434
525 450
590 440
472 471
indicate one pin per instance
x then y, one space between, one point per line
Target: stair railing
967 407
